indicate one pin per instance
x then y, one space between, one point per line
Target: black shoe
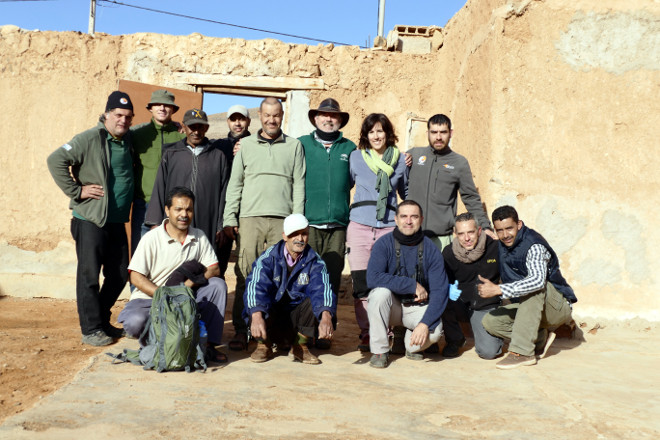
114 332
416 356
379 360
453 349
433 349
398 341
323 344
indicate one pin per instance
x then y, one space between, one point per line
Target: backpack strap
397 253
132 356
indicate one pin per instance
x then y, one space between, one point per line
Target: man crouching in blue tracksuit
406 273
288 294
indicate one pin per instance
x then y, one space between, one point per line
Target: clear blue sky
353 22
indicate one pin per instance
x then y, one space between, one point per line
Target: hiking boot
453 349
114 332
417 356
98 339
542 348
262 353
515 360
398 344
301 353
379 360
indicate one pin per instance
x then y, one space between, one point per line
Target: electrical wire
114 2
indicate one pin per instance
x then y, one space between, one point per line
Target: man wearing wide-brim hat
148 141
327 187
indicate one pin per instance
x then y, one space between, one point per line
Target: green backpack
171 335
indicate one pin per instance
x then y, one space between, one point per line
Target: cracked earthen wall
555 104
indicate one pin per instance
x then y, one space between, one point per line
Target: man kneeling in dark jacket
406 273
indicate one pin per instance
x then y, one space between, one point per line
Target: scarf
383 169
408 240
465 256
328 137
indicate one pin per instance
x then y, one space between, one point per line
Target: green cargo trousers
525 323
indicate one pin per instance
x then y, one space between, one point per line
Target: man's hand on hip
91 192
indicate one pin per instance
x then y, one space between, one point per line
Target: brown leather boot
301 353
262 353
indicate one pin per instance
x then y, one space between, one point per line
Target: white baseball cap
240 109
293 223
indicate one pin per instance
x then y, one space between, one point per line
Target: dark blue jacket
513 259
270 280
382 266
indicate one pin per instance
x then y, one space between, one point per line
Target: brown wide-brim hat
329 106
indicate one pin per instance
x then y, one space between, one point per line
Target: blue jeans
486 345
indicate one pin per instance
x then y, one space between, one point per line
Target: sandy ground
600 384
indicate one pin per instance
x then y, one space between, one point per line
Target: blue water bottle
203 335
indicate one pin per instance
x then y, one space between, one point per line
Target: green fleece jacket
328 188
88 156
148 141
266 180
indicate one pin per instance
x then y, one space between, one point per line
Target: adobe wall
554 104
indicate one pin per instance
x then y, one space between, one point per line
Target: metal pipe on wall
381 17
92 17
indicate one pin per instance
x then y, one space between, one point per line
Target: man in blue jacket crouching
288 294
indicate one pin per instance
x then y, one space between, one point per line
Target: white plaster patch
562 233
597 271
626 232
615 42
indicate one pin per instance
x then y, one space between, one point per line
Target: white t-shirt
158 255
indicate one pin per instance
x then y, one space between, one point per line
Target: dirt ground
602 383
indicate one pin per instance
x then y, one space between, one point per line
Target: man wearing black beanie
95 170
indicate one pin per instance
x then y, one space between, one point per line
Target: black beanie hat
119 99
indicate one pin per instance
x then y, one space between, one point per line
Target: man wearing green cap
148 141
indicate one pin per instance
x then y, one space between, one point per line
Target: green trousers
330 244
525 323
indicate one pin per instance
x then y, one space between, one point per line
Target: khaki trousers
525 323
255 234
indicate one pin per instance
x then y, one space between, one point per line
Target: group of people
417 269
